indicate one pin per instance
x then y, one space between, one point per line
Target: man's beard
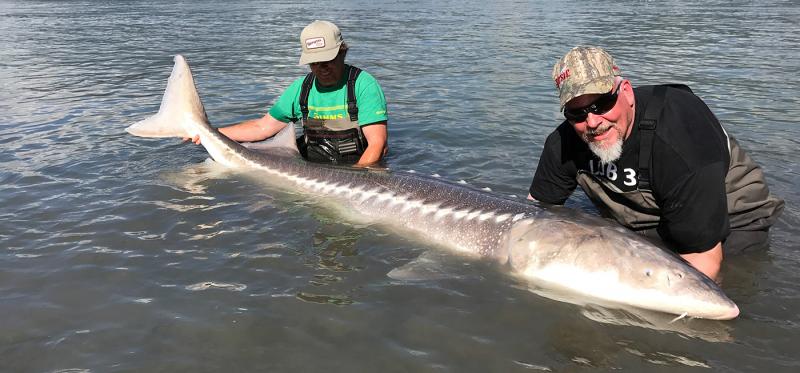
608 153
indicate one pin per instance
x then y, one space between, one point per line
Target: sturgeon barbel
552 248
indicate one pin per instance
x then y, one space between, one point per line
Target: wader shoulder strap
304 91
352 108
647 130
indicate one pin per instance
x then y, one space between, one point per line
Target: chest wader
750 206
332 140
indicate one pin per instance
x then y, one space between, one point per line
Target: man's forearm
376 144
253 129
372 154
708 262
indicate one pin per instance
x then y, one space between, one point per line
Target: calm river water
121 254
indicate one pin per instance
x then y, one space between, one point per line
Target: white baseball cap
320 41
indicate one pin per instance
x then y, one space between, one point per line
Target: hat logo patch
314 43
562 77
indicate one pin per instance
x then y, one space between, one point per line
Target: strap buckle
647 124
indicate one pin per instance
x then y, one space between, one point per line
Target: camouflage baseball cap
584 70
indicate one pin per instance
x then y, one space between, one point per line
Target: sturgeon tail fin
180 108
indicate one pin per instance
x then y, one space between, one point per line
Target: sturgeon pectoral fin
282 141
429 266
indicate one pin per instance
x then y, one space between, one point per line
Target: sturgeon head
614 267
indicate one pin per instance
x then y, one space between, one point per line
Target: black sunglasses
600 106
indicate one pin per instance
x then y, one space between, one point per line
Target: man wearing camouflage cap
656 159
341 108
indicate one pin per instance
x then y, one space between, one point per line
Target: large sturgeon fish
557 249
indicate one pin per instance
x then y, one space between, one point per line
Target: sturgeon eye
648 272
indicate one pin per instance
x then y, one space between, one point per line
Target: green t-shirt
331 103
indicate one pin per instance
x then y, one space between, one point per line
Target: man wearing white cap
656 159
341 108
